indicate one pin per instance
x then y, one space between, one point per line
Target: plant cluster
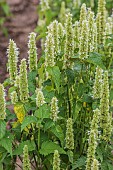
62 103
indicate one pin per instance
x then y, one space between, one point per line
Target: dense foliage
58 112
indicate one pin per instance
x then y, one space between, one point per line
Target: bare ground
22 21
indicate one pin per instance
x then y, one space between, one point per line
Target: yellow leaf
19 111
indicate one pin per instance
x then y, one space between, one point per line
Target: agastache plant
49 51
92 145
69 135
69 42
83 14
12 53
54 31
40 100
32 52
105 118
98 23
97 88
76 34
92 141
102 20
61 33
23 82
2 102
54 109
91 32
14 97
26 161
56 160
62 14
95 36
83 47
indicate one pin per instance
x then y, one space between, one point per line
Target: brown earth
22 21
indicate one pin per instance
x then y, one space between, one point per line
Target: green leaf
32 81
79 163
96 59
70 156
110 166
6 142
99 153
77 110
43 112
104 165
2 128
28 120
57 130
19 149
48 124
55 73
49 147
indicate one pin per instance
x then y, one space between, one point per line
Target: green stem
39 137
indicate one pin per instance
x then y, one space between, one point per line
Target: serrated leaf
49 147
6 142
31 81
96 59
19 149
79 163
2 128
70 156
55 73
57 130
43 112
28 120
48 124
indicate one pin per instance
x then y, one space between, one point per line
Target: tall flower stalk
40 100
26 161
32 52
54 109
102 19
23 82
12 53
69 42
2 103
49 51
91 32
92 141
83 14
83 48
56 161
105 118
69 135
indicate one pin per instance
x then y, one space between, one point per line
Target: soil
22 21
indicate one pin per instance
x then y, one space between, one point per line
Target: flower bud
40 100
